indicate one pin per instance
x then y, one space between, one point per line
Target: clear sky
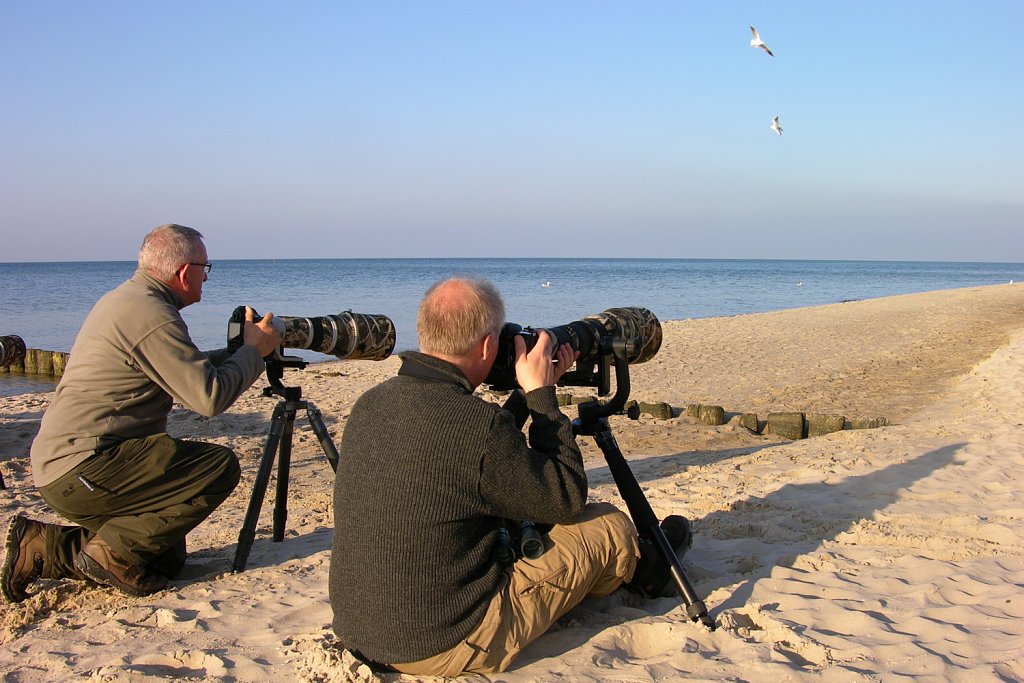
555 128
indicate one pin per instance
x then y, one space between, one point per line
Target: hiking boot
97 561
653 577
24 558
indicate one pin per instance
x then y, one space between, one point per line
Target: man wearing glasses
103 458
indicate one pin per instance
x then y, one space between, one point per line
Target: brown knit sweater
428 471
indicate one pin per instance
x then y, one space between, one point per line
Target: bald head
456 314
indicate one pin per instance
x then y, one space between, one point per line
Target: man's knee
232 470
619 526
610 532
228 477
219 463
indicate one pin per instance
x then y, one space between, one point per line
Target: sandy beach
862 555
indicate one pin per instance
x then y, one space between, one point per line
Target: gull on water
546 284
757 42
775 125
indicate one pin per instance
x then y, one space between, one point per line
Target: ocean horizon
45 302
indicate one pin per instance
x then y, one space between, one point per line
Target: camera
12 350
636 328
346 335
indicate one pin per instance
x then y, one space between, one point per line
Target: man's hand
263 335
536 369
566 359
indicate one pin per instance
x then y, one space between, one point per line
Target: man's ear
489 347
179 282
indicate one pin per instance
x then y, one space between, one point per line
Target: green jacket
428 472
132 359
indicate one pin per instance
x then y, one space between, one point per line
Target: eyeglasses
205 266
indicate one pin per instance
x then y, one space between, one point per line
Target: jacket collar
432 369
143 278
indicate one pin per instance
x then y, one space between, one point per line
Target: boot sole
95 571
12 547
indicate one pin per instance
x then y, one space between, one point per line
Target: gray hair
457 313
167 248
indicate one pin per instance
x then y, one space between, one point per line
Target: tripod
593 421
279 442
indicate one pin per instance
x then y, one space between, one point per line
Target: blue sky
399 129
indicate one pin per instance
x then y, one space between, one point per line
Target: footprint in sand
753 624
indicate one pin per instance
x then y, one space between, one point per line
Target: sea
45 303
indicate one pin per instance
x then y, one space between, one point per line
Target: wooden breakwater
789 425
38 362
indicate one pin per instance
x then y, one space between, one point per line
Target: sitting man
102 458
428 476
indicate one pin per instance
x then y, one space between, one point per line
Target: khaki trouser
594 556
142 496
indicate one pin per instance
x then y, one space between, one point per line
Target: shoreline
858 555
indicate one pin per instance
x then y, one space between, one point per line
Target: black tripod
279 441
593 421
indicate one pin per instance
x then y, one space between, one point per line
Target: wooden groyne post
15 358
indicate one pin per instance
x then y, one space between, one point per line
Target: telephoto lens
12 350
637 327
346 335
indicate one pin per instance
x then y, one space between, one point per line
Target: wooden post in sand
659 410
819 424
788 425
712 415
44 362
30 362
60 361
867 422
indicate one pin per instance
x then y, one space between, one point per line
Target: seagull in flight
775 125
757 42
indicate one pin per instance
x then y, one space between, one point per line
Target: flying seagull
757 42
775 125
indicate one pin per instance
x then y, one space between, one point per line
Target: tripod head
614 353
275 372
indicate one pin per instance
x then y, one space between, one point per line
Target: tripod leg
259 490
647 524
316 421
284 463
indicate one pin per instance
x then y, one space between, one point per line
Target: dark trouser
142 496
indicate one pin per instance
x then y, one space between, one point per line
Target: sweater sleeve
170 358
218 356
544 481
516 404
